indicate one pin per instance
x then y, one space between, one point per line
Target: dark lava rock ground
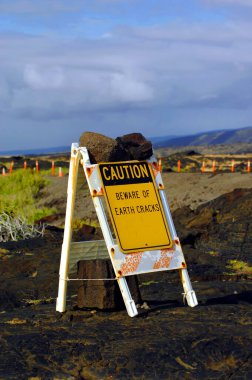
168 340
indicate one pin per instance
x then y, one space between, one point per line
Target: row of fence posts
60 172
36 168
232 168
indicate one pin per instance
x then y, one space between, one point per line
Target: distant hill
225 137
158 139
38 151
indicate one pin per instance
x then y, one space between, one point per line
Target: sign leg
71 191
188 290
61 300
129 302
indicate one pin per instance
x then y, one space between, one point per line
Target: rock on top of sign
136 145
133 146
101 148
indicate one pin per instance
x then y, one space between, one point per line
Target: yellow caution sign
135 206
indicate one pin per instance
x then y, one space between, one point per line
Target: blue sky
113 66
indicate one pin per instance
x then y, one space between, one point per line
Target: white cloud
43 77
129 90
154 75
174 65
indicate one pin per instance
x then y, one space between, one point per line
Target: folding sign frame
146 239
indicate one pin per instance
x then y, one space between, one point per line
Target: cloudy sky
157 67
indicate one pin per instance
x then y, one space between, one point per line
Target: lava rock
133 146
102 148
136 145
222 226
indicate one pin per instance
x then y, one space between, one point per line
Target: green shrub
19 193
239 267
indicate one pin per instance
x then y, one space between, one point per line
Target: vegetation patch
19 193
16 321
42 301
213 253
79 223
147 283
239 267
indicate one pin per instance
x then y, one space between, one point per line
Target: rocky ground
182 189
168 340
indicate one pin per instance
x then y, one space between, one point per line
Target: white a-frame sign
143 239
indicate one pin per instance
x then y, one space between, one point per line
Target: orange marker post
248 168
160 165
53 168
37 166
214 166
11 167
179 166
203 167
25 165
233 166
60 172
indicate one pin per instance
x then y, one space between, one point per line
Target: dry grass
239 267
15 228
229 362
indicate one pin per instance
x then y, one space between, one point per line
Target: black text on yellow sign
135 206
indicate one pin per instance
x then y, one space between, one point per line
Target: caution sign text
135 206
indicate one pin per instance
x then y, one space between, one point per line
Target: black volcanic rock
167 341
136 145
222 226
102 148
133 146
